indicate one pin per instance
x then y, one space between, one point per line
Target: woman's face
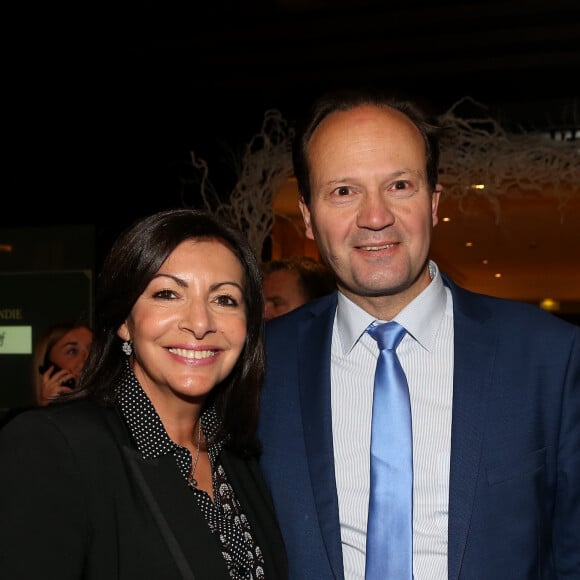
71 351
188 327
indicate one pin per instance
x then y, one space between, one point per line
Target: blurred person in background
291 282
58 359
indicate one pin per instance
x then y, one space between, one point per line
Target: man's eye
344 190
405 186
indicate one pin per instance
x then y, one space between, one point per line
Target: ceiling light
549 304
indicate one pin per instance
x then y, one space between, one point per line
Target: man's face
371 212
281 293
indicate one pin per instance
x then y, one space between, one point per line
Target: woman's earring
127 348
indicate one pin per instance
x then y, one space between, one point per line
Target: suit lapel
180 521
475 345
173 509
315 338
136 466
475 350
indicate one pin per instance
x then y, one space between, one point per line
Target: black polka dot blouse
224 516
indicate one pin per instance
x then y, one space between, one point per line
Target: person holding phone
58 359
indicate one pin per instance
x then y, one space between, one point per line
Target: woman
149 470
58 359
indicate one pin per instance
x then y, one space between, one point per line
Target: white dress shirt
426 355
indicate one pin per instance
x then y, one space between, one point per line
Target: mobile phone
47 364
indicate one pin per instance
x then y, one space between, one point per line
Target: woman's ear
123 332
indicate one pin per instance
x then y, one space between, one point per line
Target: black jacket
77 501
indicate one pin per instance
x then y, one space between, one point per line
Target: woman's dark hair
135 257
345 100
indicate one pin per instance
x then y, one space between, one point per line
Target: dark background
102 107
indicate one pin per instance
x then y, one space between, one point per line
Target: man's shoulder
510 313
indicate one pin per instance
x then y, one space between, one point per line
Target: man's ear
435 203
306 217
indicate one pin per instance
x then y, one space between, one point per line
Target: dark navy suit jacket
514 497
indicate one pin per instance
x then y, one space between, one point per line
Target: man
494 385
291 282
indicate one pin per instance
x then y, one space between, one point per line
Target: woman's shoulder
74 420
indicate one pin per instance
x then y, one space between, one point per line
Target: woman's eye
226 300
343 190
164 294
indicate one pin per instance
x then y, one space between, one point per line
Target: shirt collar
142 419
145 424
421 317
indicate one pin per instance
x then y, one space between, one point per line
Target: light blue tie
389 552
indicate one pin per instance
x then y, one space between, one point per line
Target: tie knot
387 335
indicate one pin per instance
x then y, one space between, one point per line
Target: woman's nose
197 319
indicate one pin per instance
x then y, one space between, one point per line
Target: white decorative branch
479 152
265 165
